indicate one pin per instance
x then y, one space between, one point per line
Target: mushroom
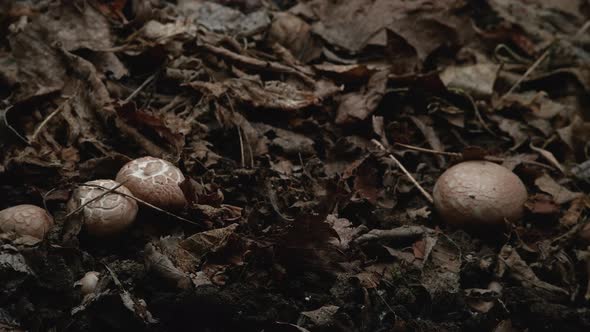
155 181
479 193
26 219
107 215
88 282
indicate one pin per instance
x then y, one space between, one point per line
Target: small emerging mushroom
155 181
26 219
88 282
479 193
107 215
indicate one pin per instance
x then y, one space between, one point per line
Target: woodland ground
283 116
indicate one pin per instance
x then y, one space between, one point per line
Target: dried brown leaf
573 215
476 79
560 194
358 106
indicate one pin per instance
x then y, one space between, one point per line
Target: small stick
142 202
459 155
443 153
14 131
241 148
48 118
399 164
141 87
108 191
475 110
540 59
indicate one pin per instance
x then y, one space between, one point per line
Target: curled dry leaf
358 106
542 204
560 194
511 264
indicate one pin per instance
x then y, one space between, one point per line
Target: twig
442 153
403 232
540 60
139 88
475 110
24 139
241 147
108 191
250 152
399 164
48 118
256 63
459 155
142 202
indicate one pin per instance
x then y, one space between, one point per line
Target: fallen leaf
295 34
345 230
548 156
319 317
201 244
440 274
511 264
582 171
573 215
514 128
285 141
541 204
219 18
358 106
560 194
476 79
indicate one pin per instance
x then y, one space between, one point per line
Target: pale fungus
479 193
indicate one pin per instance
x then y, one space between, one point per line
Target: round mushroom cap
88 282
107 215
26 219
155 181
479 193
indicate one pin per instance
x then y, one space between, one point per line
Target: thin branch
139 88
242 159
403 232
108 191
475 110
24 139
459 155
401 166
142 202
543 56
442 153
47 119
247 61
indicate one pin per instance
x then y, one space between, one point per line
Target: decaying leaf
358 106
512 265
476 79
201 244
561 195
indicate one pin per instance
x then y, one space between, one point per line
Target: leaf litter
310 133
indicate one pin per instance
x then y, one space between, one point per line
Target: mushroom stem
401 166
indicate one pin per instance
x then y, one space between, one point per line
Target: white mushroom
479 193
155 181
26 219
88 282
110 214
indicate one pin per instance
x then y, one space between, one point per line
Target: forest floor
290 121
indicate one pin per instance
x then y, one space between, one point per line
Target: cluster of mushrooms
151 180
472 195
